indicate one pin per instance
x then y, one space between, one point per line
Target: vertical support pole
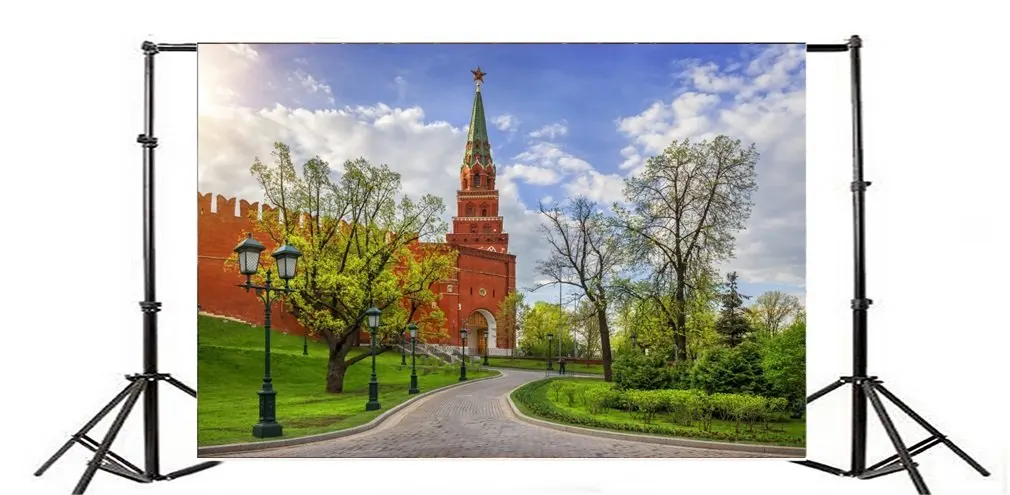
150 306
859 302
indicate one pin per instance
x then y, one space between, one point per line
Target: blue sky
563 119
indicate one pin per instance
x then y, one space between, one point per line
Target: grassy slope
796 429
541 364
230 372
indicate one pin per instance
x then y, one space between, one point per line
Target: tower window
476 180
483 212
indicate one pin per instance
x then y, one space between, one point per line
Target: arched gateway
478 321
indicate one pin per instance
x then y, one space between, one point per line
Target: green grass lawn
538 399
230 372
541 364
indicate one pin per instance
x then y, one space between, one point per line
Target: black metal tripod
866 387
145 383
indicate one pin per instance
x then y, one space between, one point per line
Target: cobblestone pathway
474 420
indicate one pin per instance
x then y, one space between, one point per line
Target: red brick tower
477 223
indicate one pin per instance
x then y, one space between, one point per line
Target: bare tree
772 309
684 211
586 253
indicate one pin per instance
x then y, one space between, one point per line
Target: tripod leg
136 389
181 386
928 427
892 432
83 431
825 391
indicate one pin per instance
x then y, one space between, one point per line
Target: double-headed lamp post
486 345
462 359
286 258
373 315
550 349
412 328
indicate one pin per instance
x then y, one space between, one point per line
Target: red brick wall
218 292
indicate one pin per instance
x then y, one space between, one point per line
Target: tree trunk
605 344
680 330
337 366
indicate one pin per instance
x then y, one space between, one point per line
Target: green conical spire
478 148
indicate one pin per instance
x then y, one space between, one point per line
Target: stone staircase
451 354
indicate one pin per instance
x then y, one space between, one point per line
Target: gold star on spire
478 75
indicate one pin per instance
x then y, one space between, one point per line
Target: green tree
784 361
542 319
683 214
732 323
510 314
730 370
353 234
420 266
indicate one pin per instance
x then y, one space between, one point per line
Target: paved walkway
474 420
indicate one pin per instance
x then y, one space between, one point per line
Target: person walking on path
561 365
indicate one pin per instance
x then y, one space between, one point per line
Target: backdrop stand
142 384
866 387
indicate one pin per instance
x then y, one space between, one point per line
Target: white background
936 106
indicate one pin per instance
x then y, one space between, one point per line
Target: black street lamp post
486 344
373 314
634 337
462 359
305 343
403 349
413 359
286 258
550 349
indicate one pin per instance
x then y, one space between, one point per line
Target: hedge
690 411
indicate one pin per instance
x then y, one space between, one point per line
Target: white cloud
762 101
532 174
401 87
244 50
602 188
314 85
302 61
706 77
632 160
550 155
506 122
550 131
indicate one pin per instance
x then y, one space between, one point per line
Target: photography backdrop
937 235
551 126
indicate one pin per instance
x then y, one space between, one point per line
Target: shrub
570 395
596 400
736 370
636 371
556 386
647 403
532 397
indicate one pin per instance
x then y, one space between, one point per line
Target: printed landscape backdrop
643 203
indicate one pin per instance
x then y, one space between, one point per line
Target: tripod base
873 388
107 460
